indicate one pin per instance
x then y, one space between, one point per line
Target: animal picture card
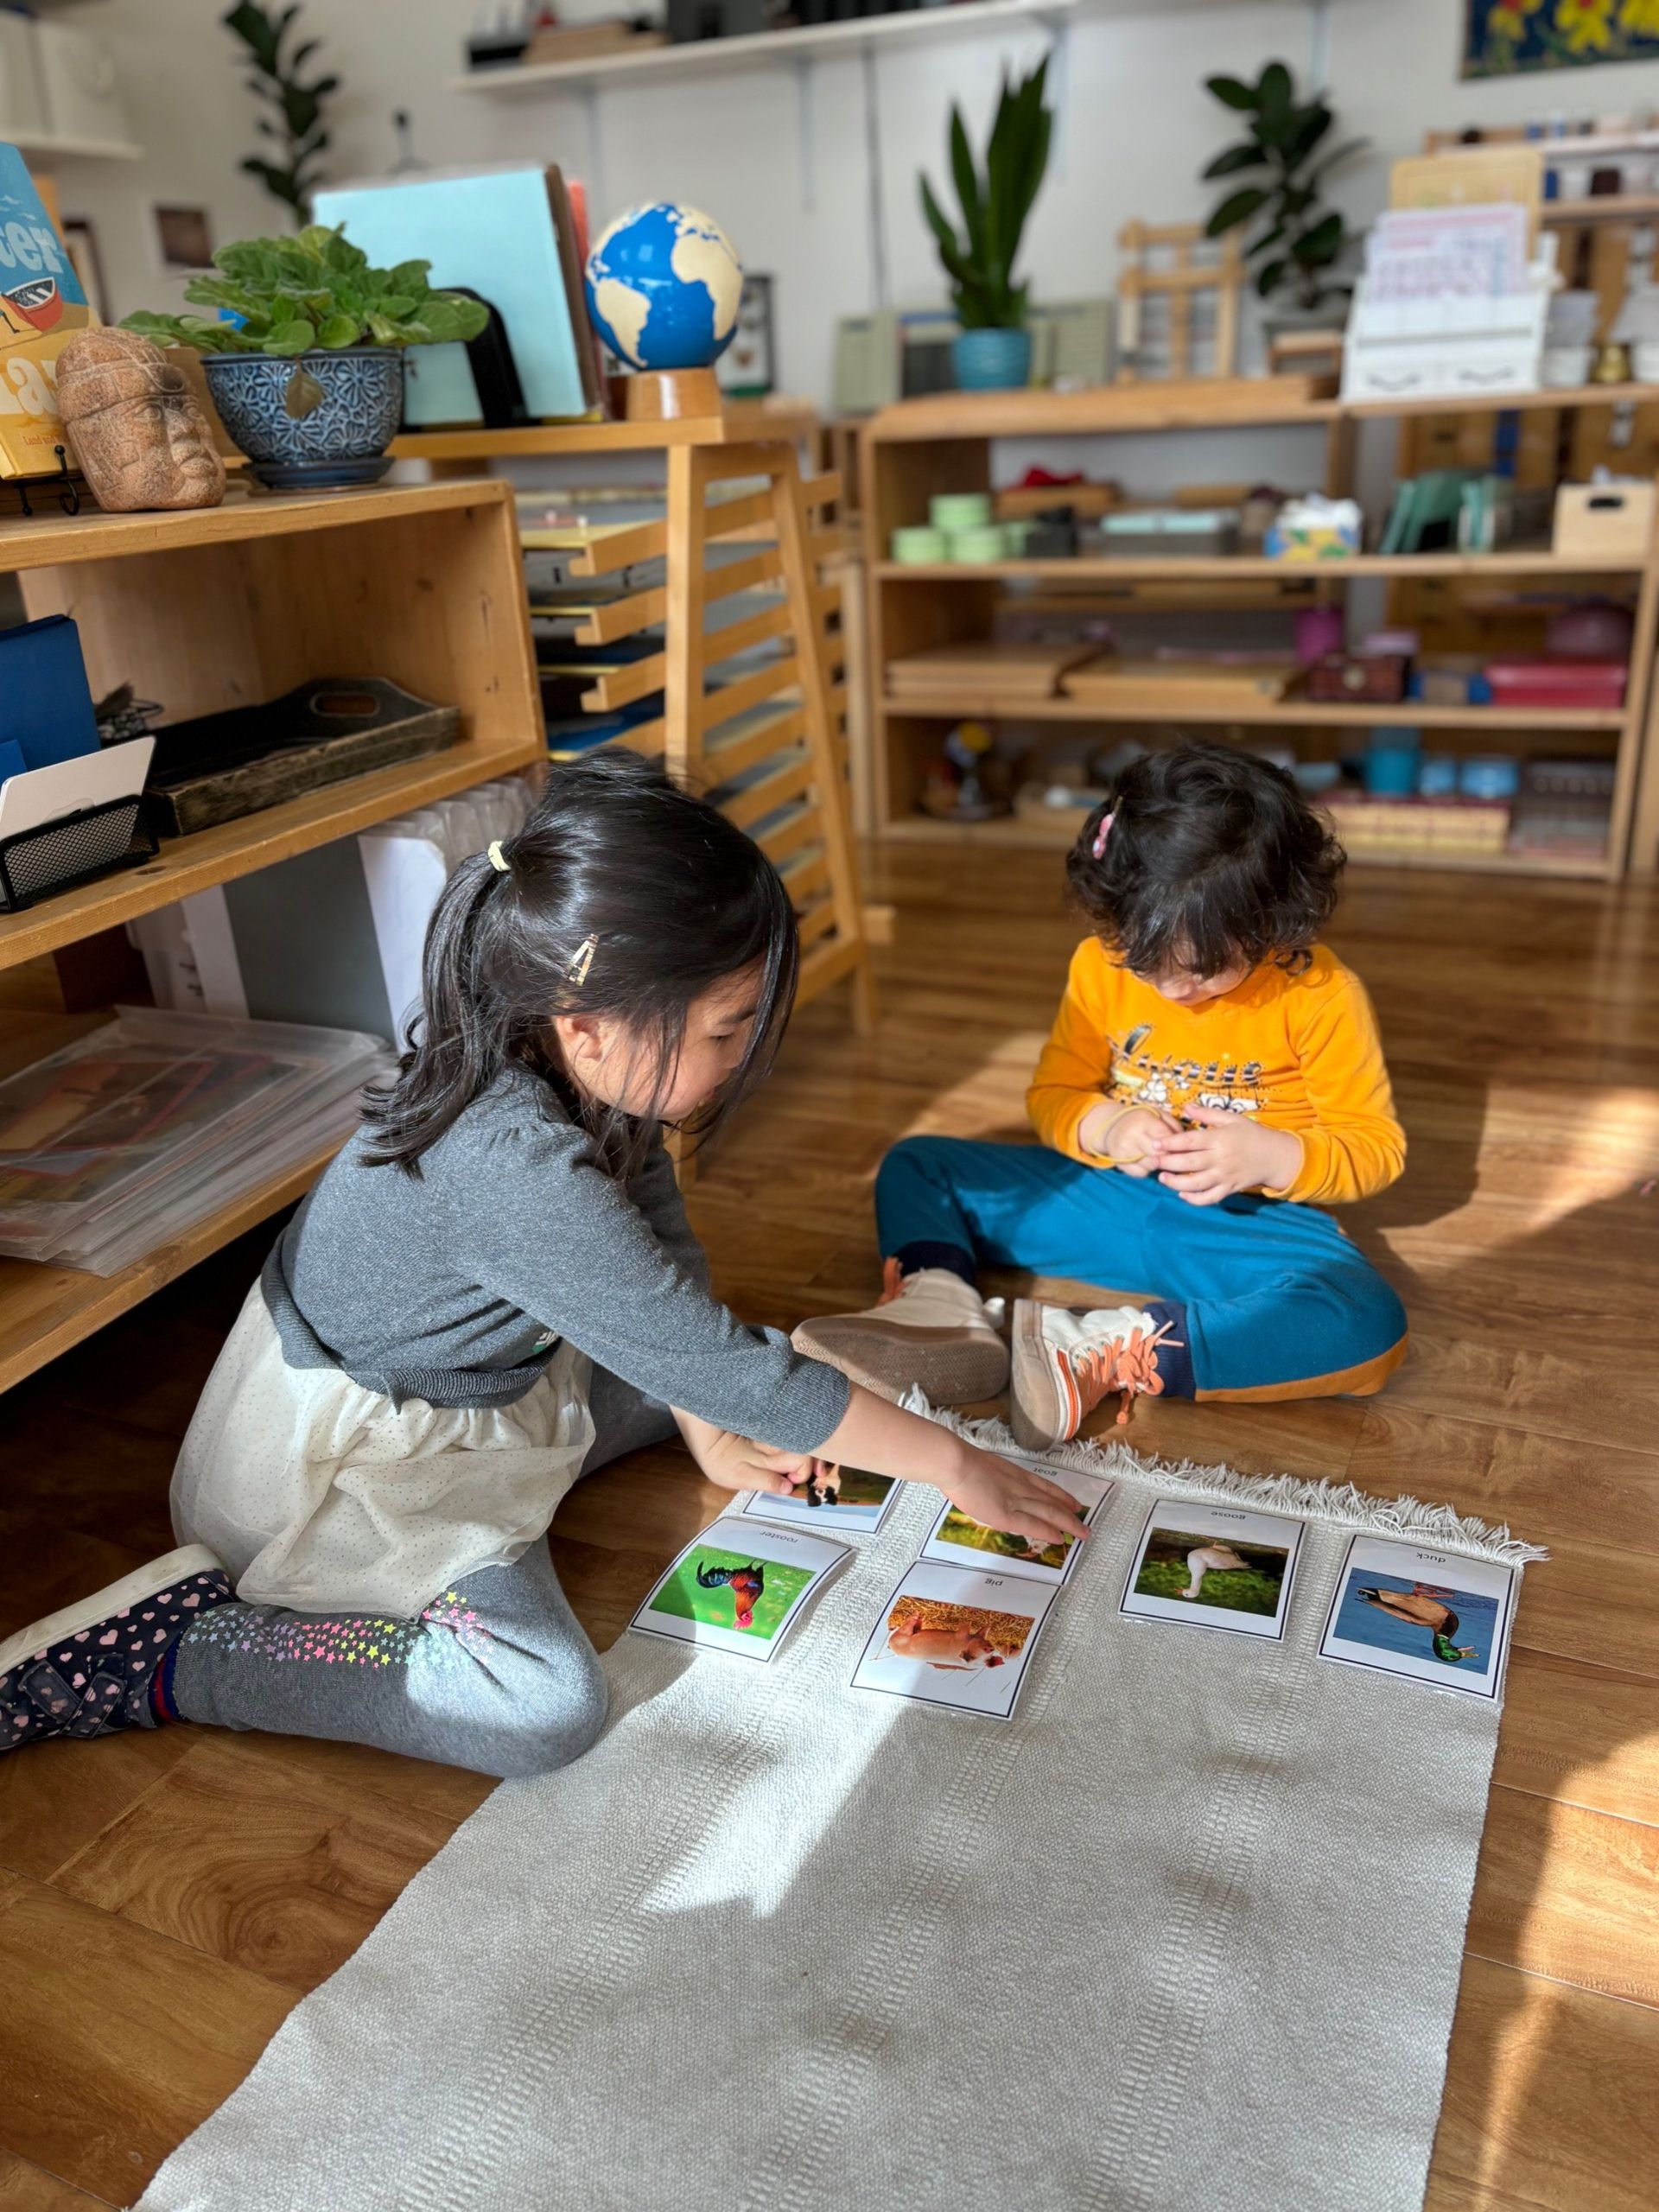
846 1497
956 1540
1434 1616
739 1586
1215 1565
955 1636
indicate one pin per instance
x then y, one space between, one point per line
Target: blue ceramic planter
362 406
992 360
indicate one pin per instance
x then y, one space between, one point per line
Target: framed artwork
184 236
1505 38
747 369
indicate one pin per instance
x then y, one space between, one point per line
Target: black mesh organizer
75 849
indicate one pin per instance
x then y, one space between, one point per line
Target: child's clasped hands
1209 1157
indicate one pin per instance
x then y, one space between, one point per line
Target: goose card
948 1635
956 1540
739 1586
846 1497
1214 1565
1434 1616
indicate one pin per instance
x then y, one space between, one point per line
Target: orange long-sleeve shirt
1300 1052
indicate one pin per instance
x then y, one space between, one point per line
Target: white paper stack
128 1137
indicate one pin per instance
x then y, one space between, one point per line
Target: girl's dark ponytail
621 895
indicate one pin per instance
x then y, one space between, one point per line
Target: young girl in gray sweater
492 1291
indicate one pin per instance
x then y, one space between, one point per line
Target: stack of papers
127 1138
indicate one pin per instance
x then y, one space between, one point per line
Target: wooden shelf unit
218 607
942 443
771 748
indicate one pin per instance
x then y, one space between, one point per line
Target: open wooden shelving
942 443
212 607
1288 714
1057 832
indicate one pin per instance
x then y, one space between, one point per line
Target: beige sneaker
1065 1362
930 1329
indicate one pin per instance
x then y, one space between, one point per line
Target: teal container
992 360
1391 763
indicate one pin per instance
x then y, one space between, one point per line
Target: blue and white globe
664 284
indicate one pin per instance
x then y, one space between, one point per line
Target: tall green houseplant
1297 242
292 116
994 348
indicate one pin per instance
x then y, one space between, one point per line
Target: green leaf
399 305
1345 152
1323 242
1307 128
1274 89
1236 208
409 277
1235 158
337 330
966 179
1230 92
291 336
1270 278
301 395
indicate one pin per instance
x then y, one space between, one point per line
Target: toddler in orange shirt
1214 1077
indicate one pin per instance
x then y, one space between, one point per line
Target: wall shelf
77 149
1250 568
766 49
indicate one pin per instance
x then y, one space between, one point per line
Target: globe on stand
664 283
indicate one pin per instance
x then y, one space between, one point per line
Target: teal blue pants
1270 1299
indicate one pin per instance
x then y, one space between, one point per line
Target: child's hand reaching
739 1463
1125 1134
1225 1154
1020 1503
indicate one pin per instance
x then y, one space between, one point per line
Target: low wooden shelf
215 607
942 444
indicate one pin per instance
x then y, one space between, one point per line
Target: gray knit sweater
457 1286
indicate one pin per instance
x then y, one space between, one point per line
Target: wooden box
1604 519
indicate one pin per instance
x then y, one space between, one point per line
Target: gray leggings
496 1675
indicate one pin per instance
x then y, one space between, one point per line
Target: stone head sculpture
134 424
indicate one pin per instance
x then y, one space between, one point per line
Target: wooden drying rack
771 747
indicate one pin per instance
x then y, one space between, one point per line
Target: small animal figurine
132 420
825 1488
747 1585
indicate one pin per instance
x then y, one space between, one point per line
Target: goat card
1215 1566
955 1636
1434 1616
956 1540
739 1587
844 1497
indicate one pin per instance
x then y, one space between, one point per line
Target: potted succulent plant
993 353
304 358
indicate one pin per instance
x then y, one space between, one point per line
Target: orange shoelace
1130 1367
892 1282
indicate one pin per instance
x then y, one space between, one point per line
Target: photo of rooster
746 1583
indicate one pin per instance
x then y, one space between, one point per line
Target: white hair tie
499 859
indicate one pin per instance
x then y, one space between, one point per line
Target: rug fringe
1341 1503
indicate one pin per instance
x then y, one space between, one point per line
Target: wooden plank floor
165 1898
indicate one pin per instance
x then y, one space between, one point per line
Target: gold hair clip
499 859
576 973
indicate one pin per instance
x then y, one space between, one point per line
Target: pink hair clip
1099 846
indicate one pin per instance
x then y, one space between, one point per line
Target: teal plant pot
992 361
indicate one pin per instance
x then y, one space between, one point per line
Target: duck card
1434 1616
1214 1565
956 1540
845 1498
739 1586
955 1636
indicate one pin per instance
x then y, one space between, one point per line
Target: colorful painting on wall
1502 38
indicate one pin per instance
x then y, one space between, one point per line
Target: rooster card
740 1587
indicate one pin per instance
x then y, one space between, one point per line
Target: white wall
1137 127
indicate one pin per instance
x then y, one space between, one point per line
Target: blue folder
45 704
